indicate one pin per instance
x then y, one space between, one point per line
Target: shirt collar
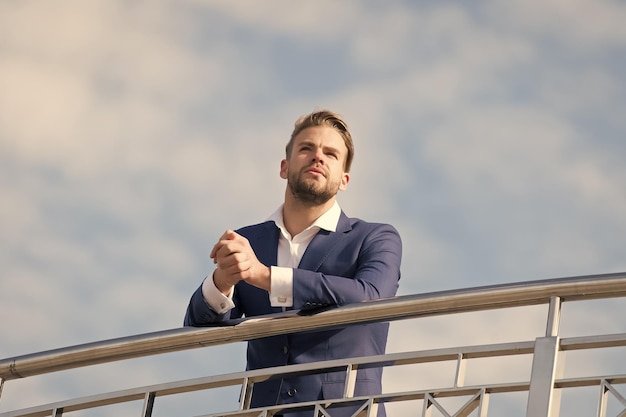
327 221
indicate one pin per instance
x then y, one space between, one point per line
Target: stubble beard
309 192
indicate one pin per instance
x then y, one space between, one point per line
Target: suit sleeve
363 269
199 312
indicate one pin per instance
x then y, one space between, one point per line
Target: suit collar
343 225
324 244
327 221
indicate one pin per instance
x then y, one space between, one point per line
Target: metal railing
543 388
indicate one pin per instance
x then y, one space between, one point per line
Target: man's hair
324 118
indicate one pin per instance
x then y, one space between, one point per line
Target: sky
132 134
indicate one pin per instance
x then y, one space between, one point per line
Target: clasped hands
236 261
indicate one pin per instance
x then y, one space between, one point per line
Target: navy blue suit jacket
358 262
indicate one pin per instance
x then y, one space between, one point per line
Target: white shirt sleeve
281 287
214 297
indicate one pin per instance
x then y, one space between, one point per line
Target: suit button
292 392
285 350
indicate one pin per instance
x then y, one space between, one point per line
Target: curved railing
543 387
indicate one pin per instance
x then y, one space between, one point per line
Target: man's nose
318 156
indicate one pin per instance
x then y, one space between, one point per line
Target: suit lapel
323 245
265 243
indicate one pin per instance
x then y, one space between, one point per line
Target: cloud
132 135
579 23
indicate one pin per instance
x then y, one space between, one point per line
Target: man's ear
345 179
283 169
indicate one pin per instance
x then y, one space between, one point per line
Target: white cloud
287 18
485 147
575 23
131 135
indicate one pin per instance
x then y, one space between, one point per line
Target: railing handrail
402 307
386 360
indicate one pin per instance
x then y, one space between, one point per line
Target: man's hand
236 261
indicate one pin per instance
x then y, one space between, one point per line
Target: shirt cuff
281 287
214 297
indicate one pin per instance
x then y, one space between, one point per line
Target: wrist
262 278
220 283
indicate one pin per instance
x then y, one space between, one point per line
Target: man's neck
298 216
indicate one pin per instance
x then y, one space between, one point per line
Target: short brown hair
329 119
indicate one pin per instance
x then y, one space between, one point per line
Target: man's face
315 168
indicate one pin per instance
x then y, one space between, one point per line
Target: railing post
148 404
554 317
350 383
548 364
245 396
461 366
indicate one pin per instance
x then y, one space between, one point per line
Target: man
308 255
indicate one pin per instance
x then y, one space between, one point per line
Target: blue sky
132 134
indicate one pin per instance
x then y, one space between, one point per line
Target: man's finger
227 235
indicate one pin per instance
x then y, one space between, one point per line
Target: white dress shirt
290 251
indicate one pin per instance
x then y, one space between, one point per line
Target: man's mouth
315 171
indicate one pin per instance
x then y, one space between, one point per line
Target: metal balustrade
543 388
